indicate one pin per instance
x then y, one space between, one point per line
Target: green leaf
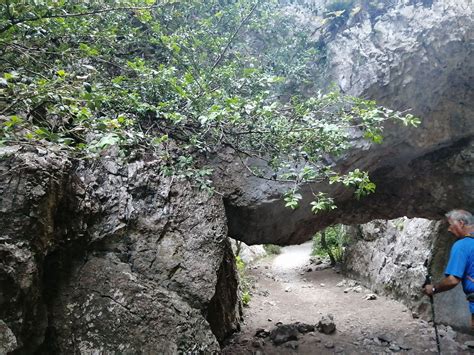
322 203
118 79
86 49
13 121
160 140
11 75
108 140
292 199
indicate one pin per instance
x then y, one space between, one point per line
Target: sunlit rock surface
416 56
389 256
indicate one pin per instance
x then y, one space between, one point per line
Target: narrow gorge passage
285 290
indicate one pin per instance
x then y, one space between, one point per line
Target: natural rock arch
48 203
413 56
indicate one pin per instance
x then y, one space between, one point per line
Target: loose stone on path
362 331
326 325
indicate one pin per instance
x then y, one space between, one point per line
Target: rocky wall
32 186
110 256
390 258
415 56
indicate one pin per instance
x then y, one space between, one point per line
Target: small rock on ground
326 325
262 333
292 345
329 345
283 333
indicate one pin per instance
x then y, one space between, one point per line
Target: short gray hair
461 215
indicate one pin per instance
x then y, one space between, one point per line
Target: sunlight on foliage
244 282
322 203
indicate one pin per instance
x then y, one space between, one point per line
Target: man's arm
446 284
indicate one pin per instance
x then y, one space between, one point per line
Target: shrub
272 249
244 286
331 243
246 298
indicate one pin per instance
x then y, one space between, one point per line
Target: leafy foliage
335 239
322 203
272 249
246 298
292 199
184 79
244 285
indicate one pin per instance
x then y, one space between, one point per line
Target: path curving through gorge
285 290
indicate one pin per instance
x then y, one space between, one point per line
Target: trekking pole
428 282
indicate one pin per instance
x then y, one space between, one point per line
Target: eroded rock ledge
102 256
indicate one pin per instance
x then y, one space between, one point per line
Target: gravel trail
288 288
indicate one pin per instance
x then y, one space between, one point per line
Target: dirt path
286 291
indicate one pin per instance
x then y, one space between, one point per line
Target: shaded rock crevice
225 308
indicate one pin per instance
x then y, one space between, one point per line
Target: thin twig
14 22
221 56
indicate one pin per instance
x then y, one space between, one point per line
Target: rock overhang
425 65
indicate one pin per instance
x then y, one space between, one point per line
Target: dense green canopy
182 78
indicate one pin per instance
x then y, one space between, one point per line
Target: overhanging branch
14 22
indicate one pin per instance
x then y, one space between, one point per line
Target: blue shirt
461 262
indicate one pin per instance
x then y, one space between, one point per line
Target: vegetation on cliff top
185 79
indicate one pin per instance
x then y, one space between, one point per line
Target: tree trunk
327 249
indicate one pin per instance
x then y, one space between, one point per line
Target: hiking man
461 260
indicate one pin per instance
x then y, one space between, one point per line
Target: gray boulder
101 256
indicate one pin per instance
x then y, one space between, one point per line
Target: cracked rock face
415 55
31 190
108 307
389 257
102 256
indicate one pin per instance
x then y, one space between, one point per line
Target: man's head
460 222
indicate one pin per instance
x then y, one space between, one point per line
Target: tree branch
14 22
231 39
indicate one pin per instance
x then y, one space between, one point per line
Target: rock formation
415 55
389 257
106 256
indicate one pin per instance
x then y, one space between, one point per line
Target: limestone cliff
412 55
389 257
